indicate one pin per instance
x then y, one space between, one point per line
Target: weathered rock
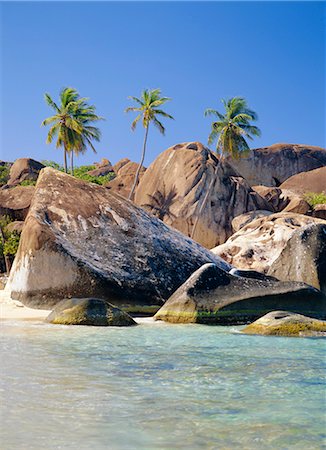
123 182
81 240
15 202
319 211
304 182
122 162
101 171
257 245
283 199
242 220
284 323
297 204
24 169
213 296
303 258
89 311
16 226
175 184
271 166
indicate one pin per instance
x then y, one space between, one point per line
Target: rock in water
81 240
284 323
257 245
213 296
89 311
304 257
174 187
271 166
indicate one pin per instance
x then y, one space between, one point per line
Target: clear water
159 387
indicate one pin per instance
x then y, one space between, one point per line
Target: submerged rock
284 323
174 187
212 296
81 240
89 311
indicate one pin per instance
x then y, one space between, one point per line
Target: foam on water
158 386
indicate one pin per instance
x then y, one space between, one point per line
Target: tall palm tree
71 124
148 108
230 133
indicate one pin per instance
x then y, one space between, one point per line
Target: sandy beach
13 309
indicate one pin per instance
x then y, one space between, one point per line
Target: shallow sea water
159 386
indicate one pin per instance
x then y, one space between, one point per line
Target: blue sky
272 53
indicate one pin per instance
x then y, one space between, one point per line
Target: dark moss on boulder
213 296
89 311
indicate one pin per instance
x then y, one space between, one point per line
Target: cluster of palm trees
73 126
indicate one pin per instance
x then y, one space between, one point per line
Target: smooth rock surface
271 166
123 182
15 202
284 323
305 182
81 240
89 311
212 296
303 257
180 177
257 245
24 169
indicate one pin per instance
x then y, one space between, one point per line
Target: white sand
13 309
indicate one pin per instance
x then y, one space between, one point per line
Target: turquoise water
159 387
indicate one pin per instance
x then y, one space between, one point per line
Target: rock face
89 311
303 257
24 169
243 220
81 240
312 181
212 296
15 202
175 184
122 162
284 323
283 199
257 245
124 180
101 171
271 166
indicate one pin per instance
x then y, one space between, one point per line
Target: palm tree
71 124
230 133
160 203
148 108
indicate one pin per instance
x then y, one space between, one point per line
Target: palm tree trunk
65 159
72 163
140 165
202 206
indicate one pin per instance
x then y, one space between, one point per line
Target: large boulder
81 240
15 202
24 169
271 166
89 311
283 199
122 162
175 185
123 182
213 296
243 220
284 323
257 245
304 182
303 257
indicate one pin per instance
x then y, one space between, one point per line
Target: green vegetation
148 109
28 183
315 199
9 241
4 174
230 133
72 124
52 164
81 173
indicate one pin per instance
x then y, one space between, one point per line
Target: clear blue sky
272 53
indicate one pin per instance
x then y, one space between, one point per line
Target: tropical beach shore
13 309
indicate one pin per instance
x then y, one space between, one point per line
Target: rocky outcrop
82 240
257 245
24 169
212 296
89 311
304 182
243 220
122 162
303 258
174 188
271 166
283 199
284 323
101 171
15 202
319 211
125 178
